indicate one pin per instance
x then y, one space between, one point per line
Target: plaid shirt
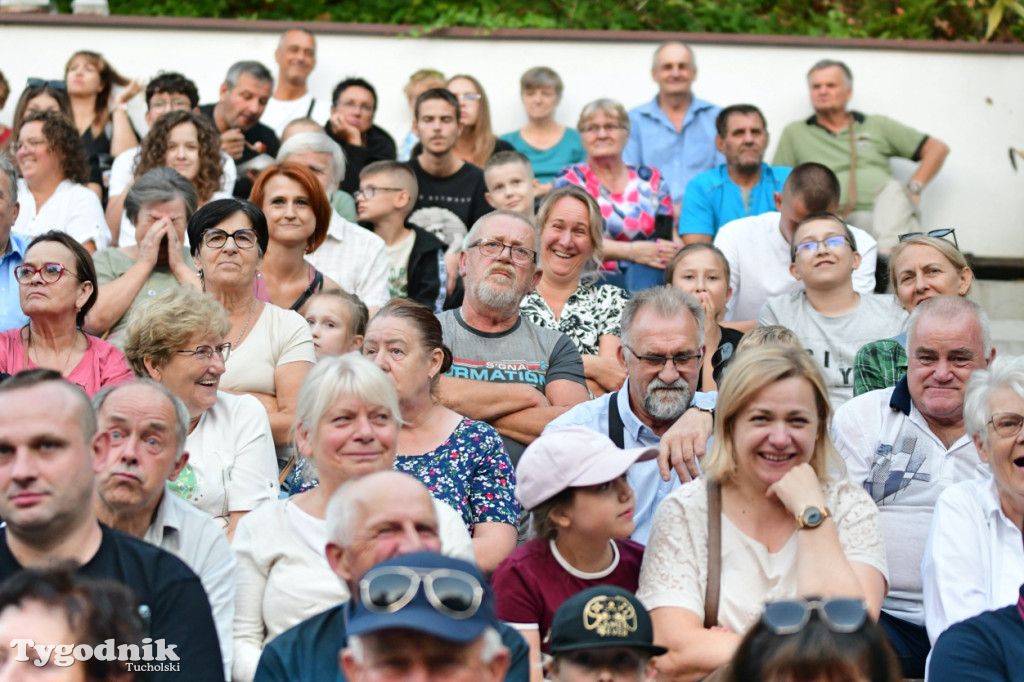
880 364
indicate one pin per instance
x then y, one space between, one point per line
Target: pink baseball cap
573 457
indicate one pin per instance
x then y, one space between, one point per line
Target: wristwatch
915 188
812 517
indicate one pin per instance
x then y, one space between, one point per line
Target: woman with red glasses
57 284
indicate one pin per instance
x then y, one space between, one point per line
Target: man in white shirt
296 58
148 427
758 247
907 444
351 255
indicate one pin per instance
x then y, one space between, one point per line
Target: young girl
701 270
574 482
338 322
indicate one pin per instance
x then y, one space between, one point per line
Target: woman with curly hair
52 189
37 96
105 133
477 142
186 142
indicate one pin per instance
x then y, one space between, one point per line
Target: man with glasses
354 104
662 346
375 518
907 444
505 370
829 317
12 248
148 426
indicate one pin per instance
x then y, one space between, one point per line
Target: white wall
973 102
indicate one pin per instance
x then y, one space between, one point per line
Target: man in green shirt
871 198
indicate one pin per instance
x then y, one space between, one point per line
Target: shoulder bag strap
714 554
616 431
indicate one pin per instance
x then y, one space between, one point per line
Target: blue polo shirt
680 156
712 199
10 298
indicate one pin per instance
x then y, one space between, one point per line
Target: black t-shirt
171 600
460 195
258 133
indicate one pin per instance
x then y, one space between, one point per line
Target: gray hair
666 301
950 308
541 77
342 509
1004 372
828 64
309 33
474 232
254 69
607 106
181 417
7 166
662 46
158 186
301 143
491 637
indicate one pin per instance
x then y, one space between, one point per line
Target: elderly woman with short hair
177 339
974 559
634 201
159 205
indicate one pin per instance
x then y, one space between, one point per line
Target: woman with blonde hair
775 505
477 142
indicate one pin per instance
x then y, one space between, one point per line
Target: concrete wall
972 101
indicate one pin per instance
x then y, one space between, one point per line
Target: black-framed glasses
370 192
831 243
39 82
388 589
493 249
50 272
1006 424
938 234
216 238
680 362
205 353
838 615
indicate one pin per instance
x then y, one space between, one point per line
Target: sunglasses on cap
838 615
452 593
938 234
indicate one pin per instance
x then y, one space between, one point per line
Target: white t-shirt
355 258
398 266
759 261
123 171
834 341
278 337
72 208
279 113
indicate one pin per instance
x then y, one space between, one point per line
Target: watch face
812 517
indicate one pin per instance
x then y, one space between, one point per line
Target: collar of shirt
900 401
653 111
17 244
166 521
338 227
639 431
812 120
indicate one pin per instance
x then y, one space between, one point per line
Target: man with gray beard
505 370
662 347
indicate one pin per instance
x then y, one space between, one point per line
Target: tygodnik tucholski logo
138 658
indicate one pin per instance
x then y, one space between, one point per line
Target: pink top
102 365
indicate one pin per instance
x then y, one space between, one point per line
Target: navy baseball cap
425 592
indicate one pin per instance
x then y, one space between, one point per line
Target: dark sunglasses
39 82
391 588
938 234
839 615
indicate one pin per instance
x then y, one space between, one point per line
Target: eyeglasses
492 249
205 353
371 192
469 97
838 615
50 272
680 362
216 239
361 107
830 243
606 127
1006 424
388 589
29 145
938 234
39 82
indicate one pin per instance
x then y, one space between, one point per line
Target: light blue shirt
10 296
643 477
680 156
713 199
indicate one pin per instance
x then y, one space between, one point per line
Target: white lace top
675 568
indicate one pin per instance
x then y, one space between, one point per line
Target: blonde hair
751 372
596 222
943 246
769 335
606 106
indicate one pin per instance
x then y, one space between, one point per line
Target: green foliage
967 20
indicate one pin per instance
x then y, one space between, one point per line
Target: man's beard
499 299
667 402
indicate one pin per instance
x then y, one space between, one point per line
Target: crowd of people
283 399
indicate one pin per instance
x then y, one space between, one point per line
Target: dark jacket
425 282
379 147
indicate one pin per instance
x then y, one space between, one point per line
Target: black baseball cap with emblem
601 617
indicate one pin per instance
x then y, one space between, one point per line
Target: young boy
416 269
829 317
510 183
